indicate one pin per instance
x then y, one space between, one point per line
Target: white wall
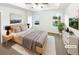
72 11
5 15
45 18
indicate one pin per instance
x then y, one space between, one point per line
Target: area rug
50 48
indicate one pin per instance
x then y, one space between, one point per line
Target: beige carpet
50 48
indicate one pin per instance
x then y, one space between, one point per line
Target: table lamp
7 28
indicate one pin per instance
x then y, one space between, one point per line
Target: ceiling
41 6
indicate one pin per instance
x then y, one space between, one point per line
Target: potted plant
60 27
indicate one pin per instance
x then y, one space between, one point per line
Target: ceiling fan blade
44 3
28 3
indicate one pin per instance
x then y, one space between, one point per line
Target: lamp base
7 33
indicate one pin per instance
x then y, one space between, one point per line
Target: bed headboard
18 27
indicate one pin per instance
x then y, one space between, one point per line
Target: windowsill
16 23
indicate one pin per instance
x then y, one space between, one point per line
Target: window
30 21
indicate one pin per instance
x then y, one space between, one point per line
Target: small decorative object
28 25
67 30
7 28
60 27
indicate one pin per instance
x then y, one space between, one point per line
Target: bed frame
39 50
19 40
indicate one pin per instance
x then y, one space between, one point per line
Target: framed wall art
15 18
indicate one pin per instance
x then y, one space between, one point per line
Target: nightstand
7 37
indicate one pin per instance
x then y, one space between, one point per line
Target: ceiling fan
35 5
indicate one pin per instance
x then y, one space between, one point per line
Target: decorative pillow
13 28
18 29
23 27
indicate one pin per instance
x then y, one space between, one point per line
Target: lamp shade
28 24
7 27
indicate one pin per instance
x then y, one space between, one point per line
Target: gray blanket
34 38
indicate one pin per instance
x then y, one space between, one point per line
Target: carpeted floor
49 48
7 50
14 49
59 47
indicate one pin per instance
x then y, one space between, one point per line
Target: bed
31 39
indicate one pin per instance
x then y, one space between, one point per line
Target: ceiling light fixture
38 5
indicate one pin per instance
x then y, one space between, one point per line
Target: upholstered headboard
18 27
